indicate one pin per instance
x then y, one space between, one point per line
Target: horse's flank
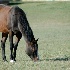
4 11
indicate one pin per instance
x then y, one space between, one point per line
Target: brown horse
13 21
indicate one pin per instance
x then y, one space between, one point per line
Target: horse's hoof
12 61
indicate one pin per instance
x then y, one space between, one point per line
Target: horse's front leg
18 37
11 44
4 38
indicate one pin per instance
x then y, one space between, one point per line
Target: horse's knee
15 47
2 41
11 46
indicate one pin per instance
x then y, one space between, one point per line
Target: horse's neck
28 34
29 37
24 26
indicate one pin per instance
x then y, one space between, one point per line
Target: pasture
50 22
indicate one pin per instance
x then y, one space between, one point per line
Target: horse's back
2 6
4 13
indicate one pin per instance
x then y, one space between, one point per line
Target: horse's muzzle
35 58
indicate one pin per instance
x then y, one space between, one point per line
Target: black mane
25 25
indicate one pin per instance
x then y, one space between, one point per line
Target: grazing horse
13 21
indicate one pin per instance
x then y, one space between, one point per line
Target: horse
13 21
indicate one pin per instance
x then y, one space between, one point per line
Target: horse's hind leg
4 38
18 37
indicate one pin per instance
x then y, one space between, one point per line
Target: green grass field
50 22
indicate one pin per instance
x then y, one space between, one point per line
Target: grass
50 22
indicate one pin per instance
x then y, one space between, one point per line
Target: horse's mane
26 27
25 24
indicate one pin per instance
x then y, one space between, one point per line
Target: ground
50 22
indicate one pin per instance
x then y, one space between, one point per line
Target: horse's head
32 50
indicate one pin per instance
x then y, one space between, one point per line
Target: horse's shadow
56 59
53 59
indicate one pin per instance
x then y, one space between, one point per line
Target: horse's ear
37 40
